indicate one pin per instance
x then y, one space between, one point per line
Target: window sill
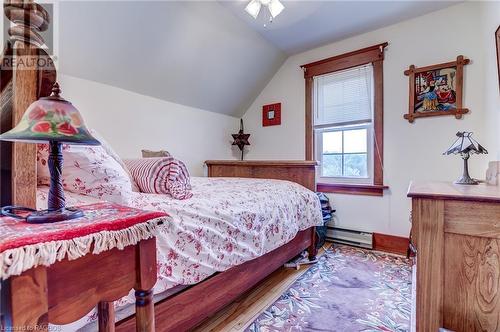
352 189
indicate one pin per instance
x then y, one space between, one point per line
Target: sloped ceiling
206 54
192 53
304 25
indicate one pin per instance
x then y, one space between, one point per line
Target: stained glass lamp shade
465 145
55 121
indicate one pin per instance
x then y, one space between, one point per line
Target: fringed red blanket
104 226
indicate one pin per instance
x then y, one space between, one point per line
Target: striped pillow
161 176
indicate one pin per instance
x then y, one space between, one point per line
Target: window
343 104
344 121
343 154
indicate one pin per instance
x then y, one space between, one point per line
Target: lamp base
466 181
50 216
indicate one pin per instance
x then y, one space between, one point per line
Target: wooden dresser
301 172
456 231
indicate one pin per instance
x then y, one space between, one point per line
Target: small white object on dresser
492 173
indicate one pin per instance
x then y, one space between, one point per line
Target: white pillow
107 147
88 170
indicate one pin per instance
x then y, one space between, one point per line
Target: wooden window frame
374 55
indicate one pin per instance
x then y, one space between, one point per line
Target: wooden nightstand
301 172
67 289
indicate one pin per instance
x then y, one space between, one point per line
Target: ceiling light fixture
275 7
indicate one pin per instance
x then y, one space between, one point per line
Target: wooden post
22 83
145 280
106 316
428 220
312 250
27 20
24 154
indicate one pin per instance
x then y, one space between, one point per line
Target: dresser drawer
477 219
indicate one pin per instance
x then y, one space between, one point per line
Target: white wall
412 151
490 18
131 122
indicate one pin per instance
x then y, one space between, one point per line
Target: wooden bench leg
146 279
106 316
144 311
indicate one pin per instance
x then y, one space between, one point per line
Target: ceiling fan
275 7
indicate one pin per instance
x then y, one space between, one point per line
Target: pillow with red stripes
165 175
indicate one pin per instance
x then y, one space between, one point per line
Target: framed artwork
436 90
497 38
271 115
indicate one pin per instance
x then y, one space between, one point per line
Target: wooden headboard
27 73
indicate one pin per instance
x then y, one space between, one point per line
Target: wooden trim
203 300
378 123
390 243
345 61
352 189
373 54
270 163
309 119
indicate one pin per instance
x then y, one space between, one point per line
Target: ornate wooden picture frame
497 38
436 90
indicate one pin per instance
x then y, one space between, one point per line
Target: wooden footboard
189 308
298 171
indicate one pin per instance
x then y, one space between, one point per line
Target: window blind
344 97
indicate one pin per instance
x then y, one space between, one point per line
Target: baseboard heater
350 237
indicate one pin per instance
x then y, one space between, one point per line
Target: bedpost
312 250
27 70
21 82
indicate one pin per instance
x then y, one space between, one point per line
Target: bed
233 220
226 223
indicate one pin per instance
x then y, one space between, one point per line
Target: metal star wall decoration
241 139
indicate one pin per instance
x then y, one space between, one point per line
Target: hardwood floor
240 314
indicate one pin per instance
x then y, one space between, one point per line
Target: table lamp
465 145
55 121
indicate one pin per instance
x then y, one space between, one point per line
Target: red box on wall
271 115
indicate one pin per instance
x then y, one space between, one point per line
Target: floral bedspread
228 221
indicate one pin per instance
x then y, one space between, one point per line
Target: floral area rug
349 289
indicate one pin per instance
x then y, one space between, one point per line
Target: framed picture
271 115
436 90
497 38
